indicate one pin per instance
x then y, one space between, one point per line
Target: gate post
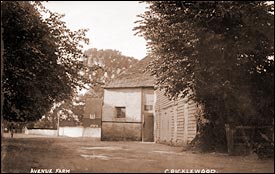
229 139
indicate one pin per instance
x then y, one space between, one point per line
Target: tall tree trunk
2 70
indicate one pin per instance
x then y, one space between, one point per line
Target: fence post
229 138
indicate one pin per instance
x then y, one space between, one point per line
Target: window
120 112
148 107
92 116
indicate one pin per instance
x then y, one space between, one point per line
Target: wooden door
148 128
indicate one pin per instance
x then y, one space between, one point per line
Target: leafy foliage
70 113
220 54
110 64
102 66
42 60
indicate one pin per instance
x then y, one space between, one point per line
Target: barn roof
136 76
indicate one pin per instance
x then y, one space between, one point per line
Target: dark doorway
148 127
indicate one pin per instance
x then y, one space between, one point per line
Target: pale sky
110 23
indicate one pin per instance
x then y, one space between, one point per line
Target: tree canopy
110 64
69 112
42 60
219 53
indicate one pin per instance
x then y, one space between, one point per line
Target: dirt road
28 154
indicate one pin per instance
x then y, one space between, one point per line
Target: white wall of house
130 98
134 101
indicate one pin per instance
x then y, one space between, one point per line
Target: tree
42 59
69 113
220 54
102 66
110 63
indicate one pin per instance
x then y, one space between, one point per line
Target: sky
110 23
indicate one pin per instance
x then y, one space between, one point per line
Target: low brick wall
71 131
92 132
80 132
120 131
67 131
48 132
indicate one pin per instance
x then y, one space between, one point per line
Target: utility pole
58 116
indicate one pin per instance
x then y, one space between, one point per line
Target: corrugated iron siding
175 120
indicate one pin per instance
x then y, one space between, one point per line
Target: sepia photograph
137 86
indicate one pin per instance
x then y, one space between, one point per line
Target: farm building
175 121
134 110
128 106
89 126
91 121
92 112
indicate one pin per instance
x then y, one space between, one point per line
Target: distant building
92 112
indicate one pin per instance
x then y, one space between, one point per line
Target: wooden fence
245 139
